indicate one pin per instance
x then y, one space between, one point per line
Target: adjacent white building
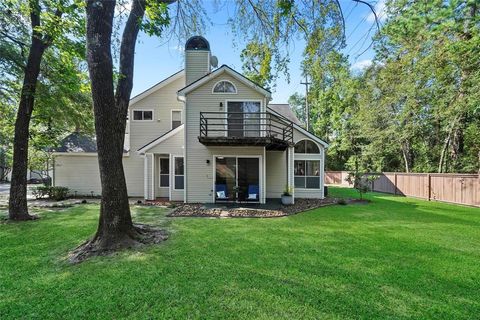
204 135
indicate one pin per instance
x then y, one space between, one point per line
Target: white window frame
160 173
319 149
262 123
224 80
171 117
261 177
305 176
143 110
174 175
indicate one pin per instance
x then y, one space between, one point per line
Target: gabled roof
77 142
223 69
157 86
301 129
160 139
285 111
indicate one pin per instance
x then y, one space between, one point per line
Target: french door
237 179
243 118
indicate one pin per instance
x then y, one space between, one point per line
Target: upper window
224 86
142 115
176 118
306 146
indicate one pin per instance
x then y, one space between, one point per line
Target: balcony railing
245 128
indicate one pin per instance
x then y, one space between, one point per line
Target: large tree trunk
115 228
17 209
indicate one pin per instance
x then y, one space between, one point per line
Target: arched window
224 86
306 146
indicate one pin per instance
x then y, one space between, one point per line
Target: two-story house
204 135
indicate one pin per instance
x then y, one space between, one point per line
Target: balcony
245 129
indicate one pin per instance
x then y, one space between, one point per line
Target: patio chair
253 191
221 192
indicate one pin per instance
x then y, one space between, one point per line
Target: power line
307 107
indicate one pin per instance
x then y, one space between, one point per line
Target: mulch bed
199 210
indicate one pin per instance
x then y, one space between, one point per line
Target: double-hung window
176 118
178 173
142 115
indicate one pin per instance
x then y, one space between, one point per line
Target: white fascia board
82 154
223 69
171 133
156 87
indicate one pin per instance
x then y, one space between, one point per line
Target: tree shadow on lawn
333 262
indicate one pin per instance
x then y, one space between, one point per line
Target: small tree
361 181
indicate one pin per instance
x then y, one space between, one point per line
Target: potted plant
287 196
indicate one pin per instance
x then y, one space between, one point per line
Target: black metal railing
245 125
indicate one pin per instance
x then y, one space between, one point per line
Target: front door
237 179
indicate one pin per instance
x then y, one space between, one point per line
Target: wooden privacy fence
446 187
336 177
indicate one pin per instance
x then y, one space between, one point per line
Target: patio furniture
221 192
253 191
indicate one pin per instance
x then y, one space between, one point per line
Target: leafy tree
272 22
28 29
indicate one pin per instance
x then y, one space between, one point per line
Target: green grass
393 258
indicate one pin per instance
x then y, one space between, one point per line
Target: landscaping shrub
41 192
55 193
58 193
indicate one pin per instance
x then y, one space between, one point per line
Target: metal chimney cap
197 43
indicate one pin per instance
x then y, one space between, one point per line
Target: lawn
393 258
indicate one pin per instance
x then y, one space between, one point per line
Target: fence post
395 183
429 187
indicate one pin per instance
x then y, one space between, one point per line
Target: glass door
237 179
235 119
225 178
248 179
243 119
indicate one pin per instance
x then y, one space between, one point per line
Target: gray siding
199 181
276 166
197 64
80 173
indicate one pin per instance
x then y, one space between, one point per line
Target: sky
156 59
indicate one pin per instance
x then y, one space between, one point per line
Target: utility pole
307 107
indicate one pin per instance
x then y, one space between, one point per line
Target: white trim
143 110
161 139
171 118
174 175
156 87
145 178
181 93
319 148
264 187
305 176
159 172
302 130
153 176
82 154
260 174
224 80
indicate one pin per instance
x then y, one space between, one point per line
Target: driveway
4 189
